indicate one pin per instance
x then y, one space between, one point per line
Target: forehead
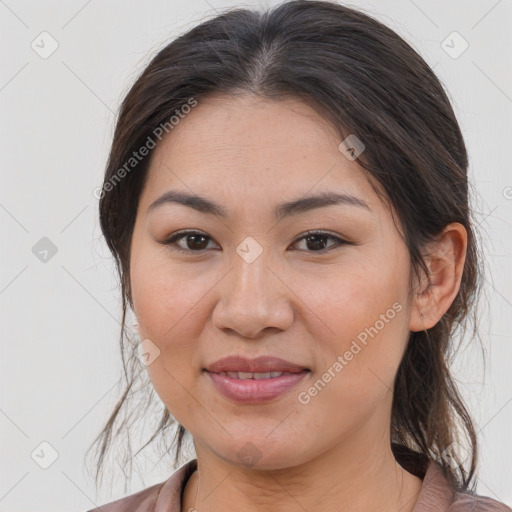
253 148
230 125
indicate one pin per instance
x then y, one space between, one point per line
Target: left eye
316 238
196 241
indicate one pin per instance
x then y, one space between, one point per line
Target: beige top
436 495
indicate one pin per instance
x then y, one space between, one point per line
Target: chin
260 453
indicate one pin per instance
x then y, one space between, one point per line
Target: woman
286 199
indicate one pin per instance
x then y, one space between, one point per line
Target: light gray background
60 357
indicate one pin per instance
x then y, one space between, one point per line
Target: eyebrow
295 207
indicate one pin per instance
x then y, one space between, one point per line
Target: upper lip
261 364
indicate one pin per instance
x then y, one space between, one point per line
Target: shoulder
465 502
141 501
163 496
437 494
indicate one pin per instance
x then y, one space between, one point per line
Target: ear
435 293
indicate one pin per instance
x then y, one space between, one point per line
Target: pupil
315 239
193 237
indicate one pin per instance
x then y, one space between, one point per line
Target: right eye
194 241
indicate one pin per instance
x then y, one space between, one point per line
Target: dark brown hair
366 80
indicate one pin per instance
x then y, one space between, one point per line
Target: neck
340 480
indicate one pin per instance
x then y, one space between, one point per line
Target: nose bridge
252 279
253 297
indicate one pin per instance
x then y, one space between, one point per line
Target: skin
332 453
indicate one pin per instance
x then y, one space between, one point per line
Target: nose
253 299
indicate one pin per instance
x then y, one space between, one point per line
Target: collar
436 492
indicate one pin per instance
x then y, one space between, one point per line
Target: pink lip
252 391
261 364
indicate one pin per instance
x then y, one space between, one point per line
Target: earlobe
435 293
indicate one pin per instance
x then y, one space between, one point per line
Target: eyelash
171 241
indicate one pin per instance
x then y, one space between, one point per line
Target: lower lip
253 391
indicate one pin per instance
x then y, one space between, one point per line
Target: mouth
258 366
254 381
254 375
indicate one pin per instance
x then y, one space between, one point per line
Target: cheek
162 303
366 335
165 295
169 303
357 296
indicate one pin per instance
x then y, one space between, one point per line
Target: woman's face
250 284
